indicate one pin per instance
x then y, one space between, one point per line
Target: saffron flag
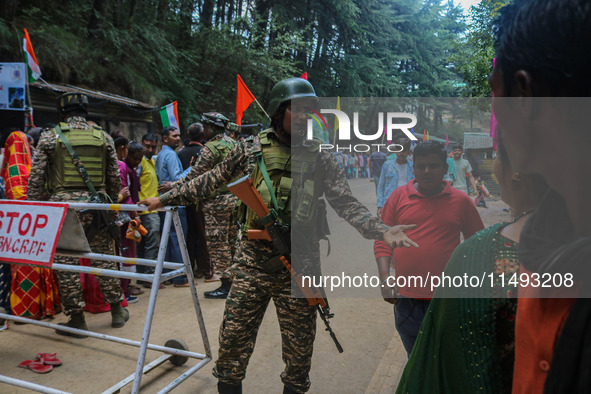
170 115
243 99
305 75
424 135
33 66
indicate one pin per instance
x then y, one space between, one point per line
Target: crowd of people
38 166
506 337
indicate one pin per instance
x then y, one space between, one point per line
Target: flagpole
29 108
262 109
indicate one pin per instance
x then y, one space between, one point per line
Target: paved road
371 363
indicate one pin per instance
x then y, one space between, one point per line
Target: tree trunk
97 18
162 14
8 10
132 12
206 14
186 19
262 8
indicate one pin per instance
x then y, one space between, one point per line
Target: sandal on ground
36 366
134 291
49 359
213 278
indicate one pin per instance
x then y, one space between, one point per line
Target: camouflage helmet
220 122
72 101
289 89
215 119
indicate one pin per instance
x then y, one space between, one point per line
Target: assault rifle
279 234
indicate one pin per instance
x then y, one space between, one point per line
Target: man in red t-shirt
440 214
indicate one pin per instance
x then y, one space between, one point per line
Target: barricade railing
68 228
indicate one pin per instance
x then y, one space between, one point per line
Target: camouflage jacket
205 162
43 160
241 161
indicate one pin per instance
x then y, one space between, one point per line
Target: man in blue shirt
395 173
170 169
377 160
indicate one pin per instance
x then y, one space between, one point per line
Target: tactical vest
220 149
91 147
296 183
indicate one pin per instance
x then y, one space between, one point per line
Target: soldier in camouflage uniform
221 231
257 281
54 178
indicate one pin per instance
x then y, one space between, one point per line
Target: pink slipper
49 359
36 366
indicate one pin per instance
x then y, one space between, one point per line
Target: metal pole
30 386
184 376
152 303
105 337
117 259
194 295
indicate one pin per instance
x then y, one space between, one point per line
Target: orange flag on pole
34 70
243 99
424 135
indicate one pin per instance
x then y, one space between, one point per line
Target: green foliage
475 51
186 50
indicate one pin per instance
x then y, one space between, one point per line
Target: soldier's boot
287 390
225 388
222 291
119 315
76 321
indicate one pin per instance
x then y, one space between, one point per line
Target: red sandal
36 366
49 359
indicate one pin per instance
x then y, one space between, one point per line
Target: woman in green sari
466 343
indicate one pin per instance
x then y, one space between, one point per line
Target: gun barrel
329 329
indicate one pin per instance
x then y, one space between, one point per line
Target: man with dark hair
170 169
395 173
543 59
54 171
196 231
148 247
190 153
260 278
463 170
440 214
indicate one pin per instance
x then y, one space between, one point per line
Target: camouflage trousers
249 296
221 232
69 282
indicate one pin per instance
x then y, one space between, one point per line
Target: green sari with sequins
466 345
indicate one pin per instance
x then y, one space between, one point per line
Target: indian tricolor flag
170 115
34 70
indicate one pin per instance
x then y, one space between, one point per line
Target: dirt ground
372 361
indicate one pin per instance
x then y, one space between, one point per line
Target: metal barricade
175 350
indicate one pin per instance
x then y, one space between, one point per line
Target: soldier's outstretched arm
236 163
205 162
341 199
396 238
